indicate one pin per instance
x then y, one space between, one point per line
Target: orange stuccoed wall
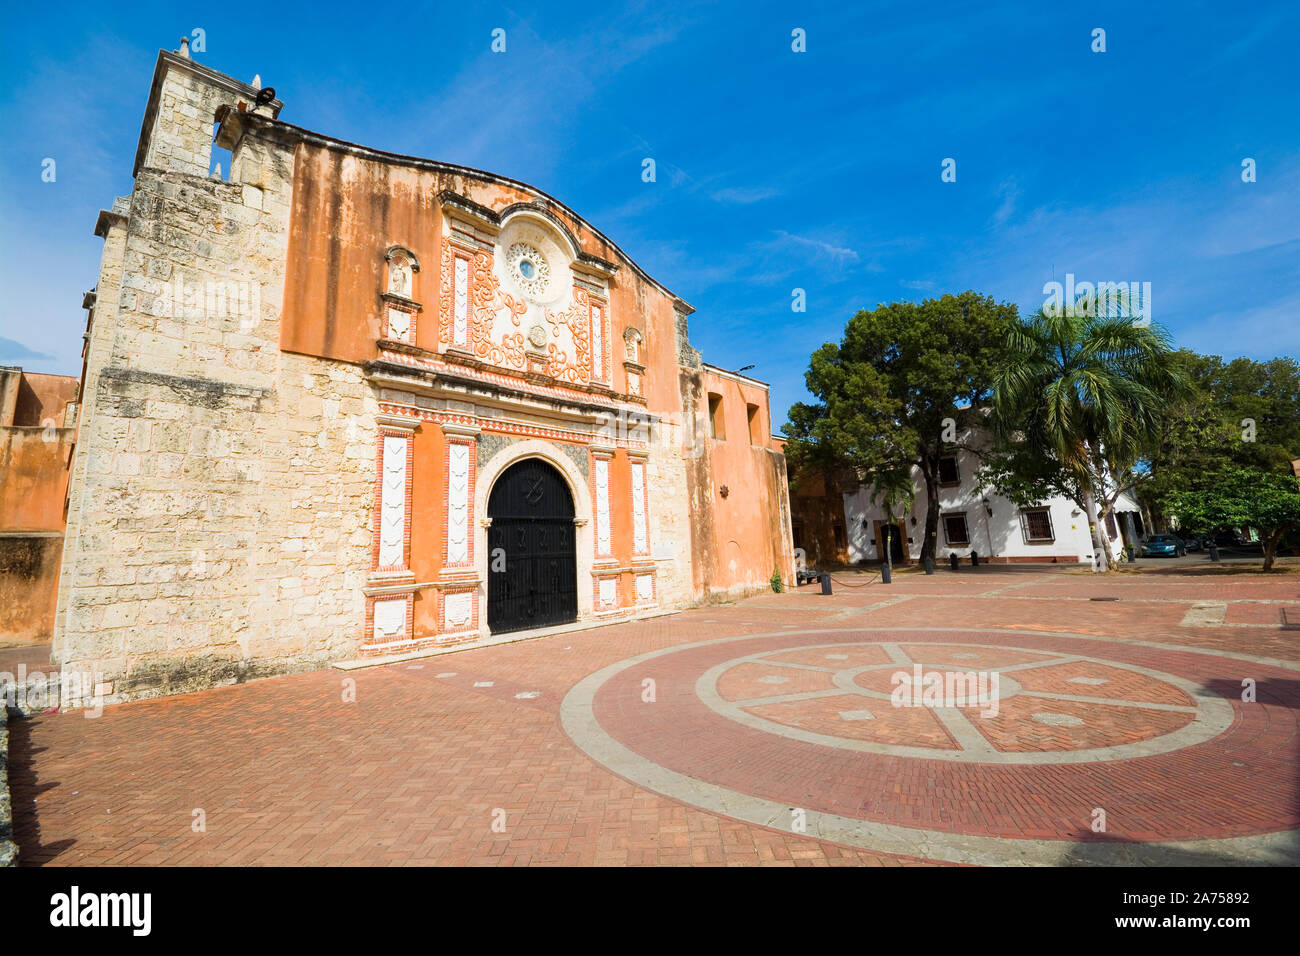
35 448
742 532
348 209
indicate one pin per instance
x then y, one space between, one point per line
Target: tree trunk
1270 548
930 545
1101 560
1104 533
1148 525
1104 510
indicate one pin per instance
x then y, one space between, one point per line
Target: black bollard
974 559
884 574
826 583
1214 550
929 565
952 560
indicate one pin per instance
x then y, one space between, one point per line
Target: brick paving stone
415 769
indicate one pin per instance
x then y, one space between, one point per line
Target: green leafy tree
1236 414
1240 497
1085 392
897 393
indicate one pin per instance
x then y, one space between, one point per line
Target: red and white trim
598 316
601 468
459 511
640 513
394 459
644 588
514 381
605 597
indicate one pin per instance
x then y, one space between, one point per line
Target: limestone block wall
221 488
670 514
111 227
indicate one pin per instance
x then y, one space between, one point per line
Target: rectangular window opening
1036 525
949 473
955 531
717 427
755 424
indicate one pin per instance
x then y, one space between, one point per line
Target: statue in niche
399 277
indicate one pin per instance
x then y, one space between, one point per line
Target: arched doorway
532 575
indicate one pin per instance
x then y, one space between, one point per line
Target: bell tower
177 131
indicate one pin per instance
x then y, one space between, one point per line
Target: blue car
1163 546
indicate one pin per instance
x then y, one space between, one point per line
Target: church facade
344 404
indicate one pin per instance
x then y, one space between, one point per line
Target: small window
954 530
1036 525
717 427
755 424
949 473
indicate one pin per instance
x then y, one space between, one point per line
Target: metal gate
532 575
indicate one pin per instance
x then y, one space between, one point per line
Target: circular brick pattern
771 728
970 703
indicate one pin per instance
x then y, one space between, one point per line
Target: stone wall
221 488
671 513
8 849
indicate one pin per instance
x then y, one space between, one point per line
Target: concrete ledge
510 638
8 849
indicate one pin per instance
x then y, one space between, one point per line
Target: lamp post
887 542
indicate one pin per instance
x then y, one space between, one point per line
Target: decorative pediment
516 293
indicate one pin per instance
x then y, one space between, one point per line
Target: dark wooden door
532 574
895 538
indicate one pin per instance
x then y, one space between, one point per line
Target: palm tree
1088 389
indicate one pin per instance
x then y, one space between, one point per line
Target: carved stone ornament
529 268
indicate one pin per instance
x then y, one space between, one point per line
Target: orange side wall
33 485
43 398
746 532
33 477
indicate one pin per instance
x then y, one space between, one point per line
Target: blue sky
776 170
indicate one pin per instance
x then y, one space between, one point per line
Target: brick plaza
754 733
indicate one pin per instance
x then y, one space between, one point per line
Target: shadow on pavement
24 789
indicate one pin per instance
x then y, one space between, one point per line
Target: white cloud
836 253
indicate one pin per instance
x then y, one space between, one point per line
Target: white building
998 530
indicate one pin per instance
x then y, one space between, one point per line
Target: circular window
530 268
